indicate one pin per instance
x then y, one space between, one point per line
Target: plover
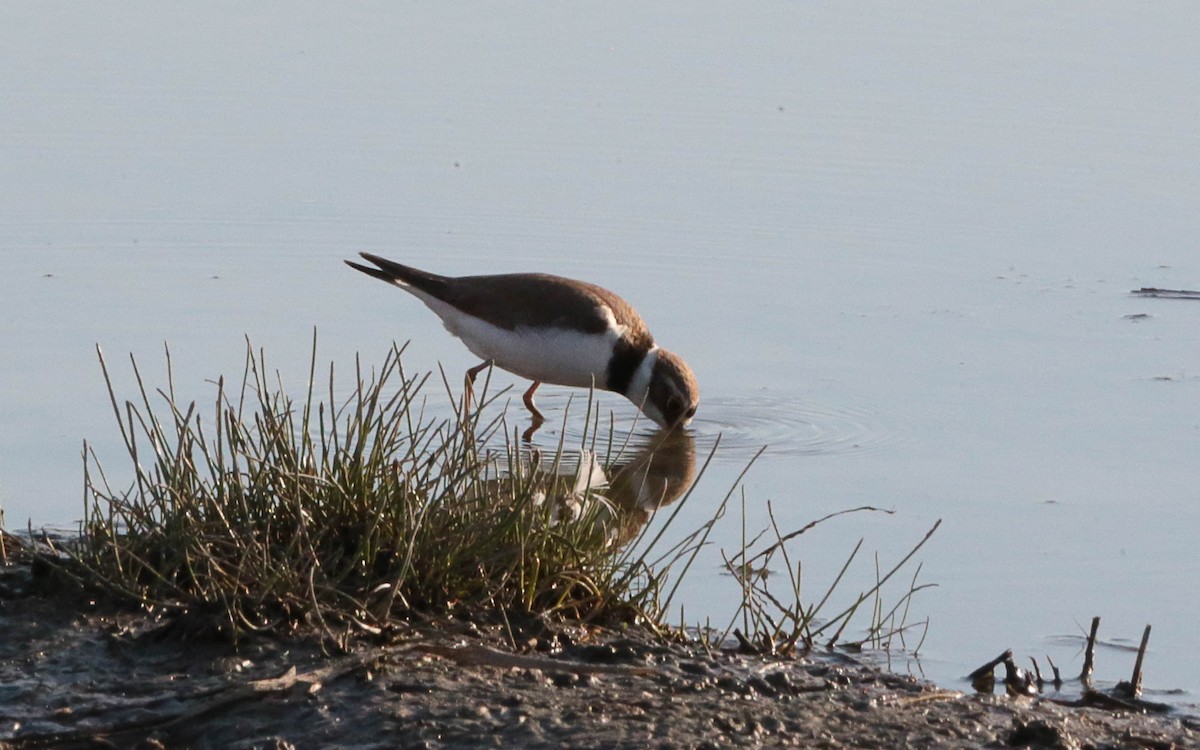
550 329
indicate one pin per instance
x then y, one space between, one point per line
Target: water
895 243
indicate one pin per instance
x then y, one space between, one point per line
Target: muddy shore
73 676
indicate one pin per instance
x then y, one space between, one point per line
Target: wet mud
75 675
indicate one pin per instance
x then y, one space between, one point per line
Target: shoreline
77 675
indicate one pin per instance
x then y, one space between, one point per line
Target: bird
551 329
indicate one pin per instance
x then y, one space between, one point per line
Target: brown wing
537 299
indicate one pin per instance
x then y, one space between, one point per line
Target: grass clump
270 513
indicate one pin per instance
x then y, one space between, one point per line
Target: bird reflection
621 496
656 476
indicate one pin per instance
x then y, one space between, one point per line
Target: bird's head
672 395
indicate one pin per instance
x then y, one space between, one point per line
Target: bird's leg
536 418
528 397
472 373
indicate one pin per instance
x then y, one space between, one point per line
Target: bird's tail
402 275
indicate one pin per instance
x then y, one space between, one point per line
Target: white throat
639 384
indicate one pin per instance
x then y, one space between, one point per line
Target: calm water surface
896 245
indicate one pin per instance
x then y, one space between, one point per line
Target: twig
930 697
1136 681
475 654
1149 291
1089 654
1098 699
229 696
745 644
1016 680
1057 675
983 679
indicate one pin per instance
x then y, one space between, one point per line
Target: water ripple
797 427
781 426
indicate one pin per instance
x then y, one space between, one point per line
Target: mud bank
72 678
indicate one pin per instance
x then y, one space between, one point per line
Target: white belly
554 355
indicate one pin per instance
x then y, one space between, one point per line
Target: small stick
991 665
1057 675
1149 291
984 678
1089 655
1016 680
1136 680
744 642
491 657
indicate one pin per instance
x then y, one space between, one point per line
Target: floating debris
1149 291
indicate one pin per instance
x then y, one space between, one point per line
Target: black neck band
625 361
